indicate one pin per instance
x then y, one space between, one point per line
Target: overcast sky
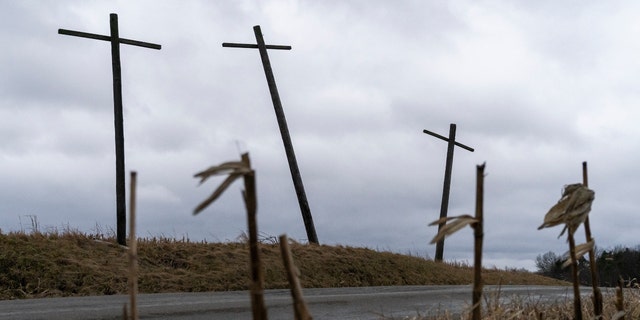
535 87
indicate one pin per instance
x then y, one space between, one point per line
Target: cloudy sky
535 87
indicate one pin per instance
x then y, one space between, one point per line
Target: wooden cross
284 130
114 38
444 206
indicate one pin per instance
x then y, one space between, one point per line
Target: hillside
75 264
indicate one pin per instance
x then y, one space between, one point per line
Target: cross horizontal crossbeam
108 38
447 139
254 46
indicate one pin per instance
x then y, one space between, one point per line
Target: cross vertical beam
444 206
284 129
114 38
118 124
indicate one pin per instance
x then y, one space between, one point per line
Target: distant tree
613 264
550 265
620 262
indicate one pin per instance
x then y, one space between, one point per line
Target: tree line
614 264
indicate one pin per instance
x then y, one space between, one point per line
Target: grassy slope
71 263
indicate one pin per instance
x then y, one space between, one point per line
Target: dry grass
524 308
71 263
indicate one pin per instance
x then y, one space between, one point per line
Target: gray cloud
535 88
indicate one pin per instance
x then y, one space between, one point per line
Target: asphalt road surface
333 303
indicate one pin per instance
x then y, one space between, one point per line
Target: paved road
338 303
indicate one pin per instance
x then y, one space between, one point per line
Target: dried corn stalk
572 210
235 170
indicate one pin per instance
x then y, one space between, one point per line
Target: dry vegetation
531 309
74 264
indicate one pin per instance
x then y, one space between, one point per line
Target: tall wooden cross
444 206
284 130
114 38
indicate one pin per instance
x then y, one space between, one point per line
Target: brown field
75 264
69 263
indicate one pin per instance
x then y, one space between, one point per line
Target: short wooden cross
444 206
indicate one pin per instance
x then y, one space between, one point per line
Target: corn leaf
581 250
458 223
618 315
224 168
571 210
225 184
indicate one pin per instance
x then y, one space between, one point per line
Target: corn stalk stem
299 306
595 282
478 235
133 250
577 305
620 299
256 286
